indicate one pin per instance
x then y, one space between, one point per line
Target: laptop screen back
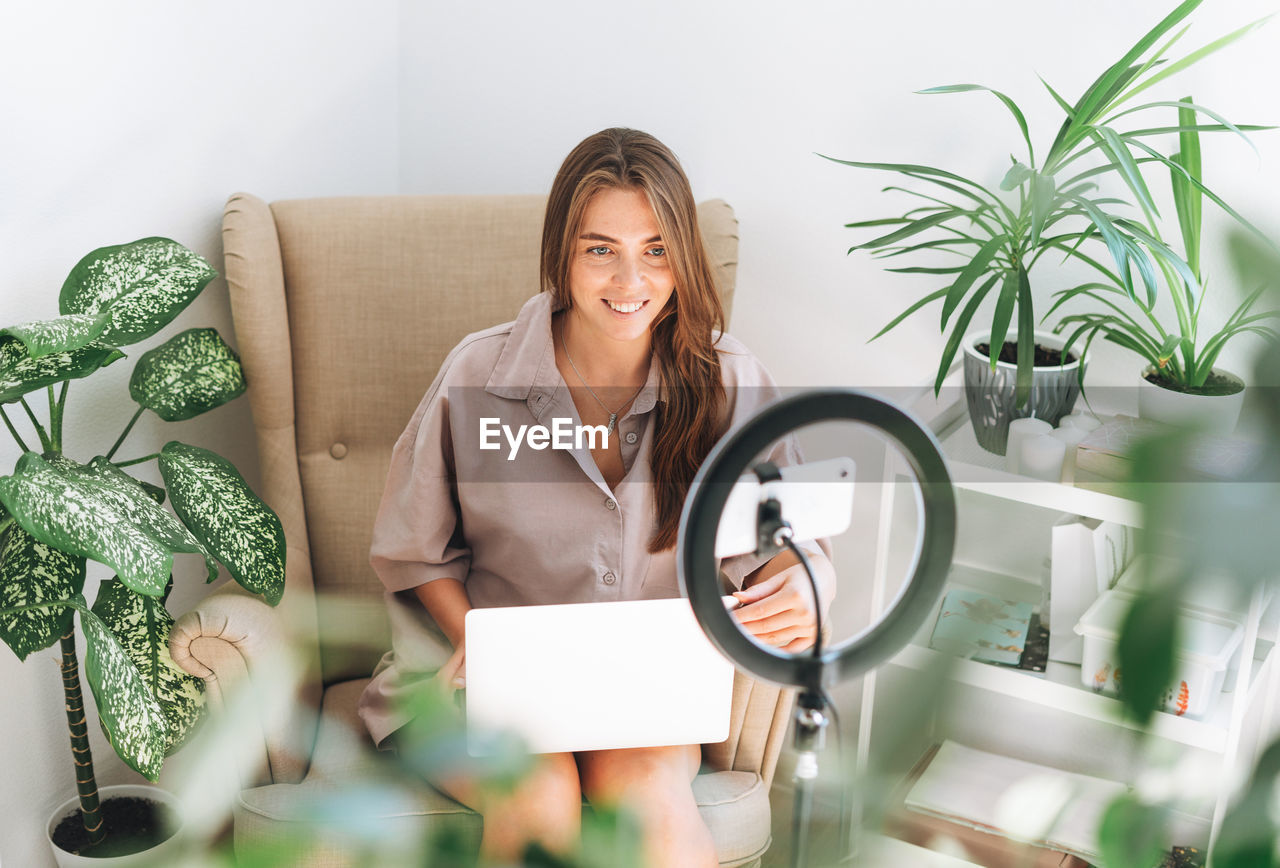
594 676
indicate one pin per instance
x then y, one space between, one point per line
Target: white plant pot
1217 414
163 853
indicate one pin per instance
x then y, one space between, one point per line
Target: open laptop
593 676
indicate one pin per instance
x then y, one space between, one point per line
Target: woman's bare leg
654 783
545 806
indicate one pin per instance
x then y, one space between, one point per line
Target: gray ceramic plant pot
992 395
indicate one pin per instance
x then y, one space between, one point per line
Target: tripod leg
802 808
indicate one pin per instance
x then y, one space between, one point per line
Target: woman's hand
779 610
453 674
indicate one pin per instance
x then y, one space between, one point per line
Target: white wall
746 93
128 120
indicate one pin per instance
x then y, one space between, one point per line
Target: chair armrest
203 640
224 640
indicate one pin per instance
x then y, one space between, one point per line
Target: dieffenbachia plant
1051 207
56 513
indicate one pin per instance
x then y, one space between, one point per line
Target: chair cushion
348 778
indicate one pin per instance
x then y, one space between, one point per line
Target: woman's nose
628 273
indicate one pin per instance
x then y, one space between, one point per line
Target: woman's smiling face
619 275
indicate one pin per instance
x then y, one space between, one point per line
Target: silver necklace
613 416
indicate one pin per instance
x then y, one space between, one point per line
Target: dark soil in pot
132 825
1044 357
1216 385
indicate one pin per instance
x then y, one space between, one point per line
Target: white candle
1082 421
1040 456
1019 429
1070 435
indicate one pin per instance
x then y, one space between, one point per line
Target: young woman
626 335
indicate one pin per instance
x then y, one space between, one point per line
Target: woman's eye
598 251
659 251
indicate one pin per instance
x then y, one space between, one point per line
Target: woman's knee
546 804
659 776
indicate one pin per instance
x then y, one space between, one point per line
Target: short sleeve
417 535
748 388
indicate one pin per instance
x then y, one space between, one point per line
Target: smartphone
816 500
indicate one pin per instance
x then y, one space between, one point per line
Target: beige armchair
343 310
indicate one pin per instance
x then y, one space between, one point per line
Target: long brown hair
687 416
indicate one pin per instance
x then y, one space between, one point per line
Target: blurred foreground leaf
1148 639
610 839
434 744
1133 834
1248 836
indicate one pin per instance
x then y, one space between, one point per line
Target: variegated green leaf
142 624
143 284
214 501
98 511
61 335
32 573
131 717
155 492
123 490
20 373
187 375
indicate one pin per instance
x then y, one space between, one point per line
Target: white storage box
1200 664
1213 595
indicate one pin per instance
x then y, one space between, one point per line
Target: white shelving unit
1055 707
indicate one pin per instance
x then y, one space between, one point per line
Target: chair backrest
344 309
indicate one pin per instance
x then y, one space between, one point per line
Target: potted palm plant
57 513
1180 383
1219 533
991 241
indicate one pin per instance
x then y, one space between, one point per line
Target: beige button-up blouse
468 498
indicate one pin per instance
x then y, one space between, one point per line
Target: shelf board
1061 688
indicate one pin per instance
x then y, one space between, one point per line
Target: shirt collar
649 394
526 369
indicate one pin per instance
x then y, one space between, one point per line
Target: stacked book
1107 452
1003 812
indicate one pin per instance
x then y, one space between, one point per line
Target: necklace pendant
613 419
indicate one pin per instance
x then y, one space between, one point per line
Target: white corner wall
131 119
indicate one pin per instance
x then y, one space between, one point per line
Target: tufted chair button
338 451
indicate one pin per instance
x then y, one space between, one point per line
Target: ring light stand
814 670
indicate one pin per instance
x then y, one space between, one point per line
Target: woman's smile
625 308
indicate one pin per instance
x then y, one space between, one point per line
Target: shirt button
610 504
631 437
610 578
